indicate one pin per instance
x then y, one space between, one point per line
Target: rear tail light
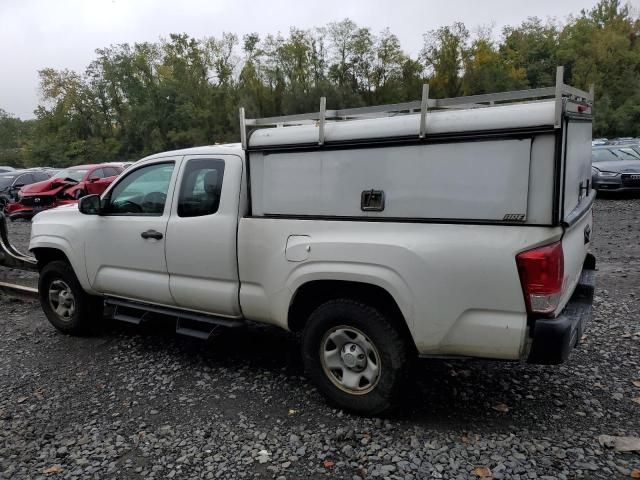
541 273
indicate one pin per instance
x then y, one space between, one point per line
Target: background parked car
5 168
11 182
635 147
124 165
65 187
615 167
623 140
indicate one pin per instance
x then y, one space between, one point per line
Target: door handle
151 234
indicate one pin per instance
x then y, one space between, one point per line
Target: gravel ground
143 403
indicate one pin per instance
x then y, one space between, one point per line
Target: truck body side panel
575 245
577 198
456 285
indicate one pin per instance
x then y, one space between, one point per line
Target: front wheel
355 356
67 306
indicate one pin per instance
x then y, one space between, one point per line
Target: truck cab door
125 245
201 235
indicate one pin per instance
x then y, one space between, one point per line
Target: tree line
133 100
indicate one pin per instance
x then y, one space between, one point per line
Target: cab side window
201 187
142 192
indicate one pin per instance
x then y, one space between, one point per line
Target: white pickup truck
455 227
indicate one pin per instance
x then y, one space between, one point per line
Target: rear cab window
201 187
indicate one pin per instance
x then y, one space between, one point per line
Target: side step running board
187 323
194 332
123 317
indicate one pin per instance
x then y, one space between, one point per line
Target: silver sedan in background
615 168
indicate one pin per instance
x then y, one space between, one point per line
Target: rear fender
377 275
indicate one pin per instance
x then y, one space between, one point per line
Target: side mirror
89 205
93 179
57 183
17 186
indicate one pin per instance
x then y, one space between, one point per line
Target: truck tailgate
575 244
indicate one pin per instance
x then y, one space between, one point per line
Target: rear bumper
554 338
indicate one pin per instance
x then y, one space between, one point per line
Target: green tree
532 47
137 99
601 47
443 54
486 72
14 138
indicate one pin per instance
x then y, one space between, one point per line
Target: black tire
391 352
86 314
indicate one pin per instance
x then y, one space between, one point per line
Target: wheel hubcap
353 357
350 360
61 300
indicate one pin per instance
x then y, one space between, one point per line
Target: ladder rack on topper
559 92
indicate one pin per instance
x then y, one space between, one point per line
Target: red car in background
65 187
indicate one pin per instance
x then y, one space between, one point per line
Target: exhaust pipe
10 256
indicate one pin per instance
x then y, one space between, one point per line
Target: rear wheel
65 303
355 355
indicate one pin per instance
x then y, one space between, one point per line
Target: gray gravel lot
143 403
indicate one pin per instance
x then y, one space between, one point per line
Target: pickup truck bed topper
514 146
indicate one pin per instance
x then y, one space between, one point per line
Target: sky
60 34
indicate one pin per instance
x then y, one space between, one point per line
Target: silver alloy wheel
61 300
350 360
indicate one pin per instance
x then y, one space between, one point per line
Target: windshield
635 148
5 181
612 154
74 174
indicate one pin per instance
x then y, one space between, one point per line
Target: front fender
74 255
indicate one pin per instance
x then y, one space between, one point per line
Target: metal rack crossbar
559 92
